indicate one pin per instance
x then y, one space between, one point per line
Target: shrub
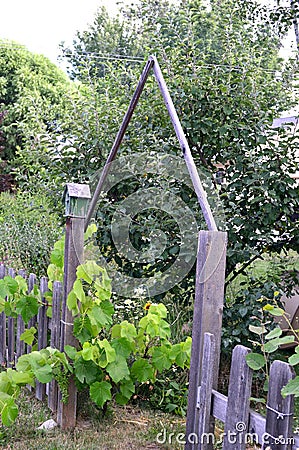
27 231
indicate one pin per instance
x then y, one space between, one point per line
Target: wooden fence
242 426
48 333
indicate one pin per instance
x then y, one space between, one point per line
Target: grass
124 428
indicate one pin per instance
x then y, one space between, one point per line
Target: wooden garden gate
242 426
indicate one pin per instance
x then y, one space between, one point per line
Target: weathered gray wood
2 271
207 317
11 333
2 326
55 340
279 417
239 390
32 322
42 330
257 423
205 392
73 256
20 345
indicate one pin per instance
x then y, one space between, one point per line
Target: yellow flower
276 294
147 306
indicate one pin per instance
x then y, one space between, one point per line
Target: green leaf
21 378
57 255
160 358
86 371
28 307
116 331
286 340
44 374
270 347
100 392
11 284
4 291
87 271
8 409
108 355
118 369
274 311
274 333
72 303
28 335
294 359
92 228
121 399
70 351
90 352
127 388
160 310
142 370
257 330
23 364
78 290
255 361
122 347
127 330
101 315
292 388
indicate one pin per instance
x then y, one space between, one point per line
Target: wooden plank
32 322
2 326
207 317
205 392
55 340
279 417
11 334
20 345
73 256
239 390
257 423
42 330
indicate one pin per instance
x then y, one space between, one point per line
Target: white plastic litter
48 425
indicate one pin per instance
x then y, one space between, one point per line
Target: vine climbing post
76 198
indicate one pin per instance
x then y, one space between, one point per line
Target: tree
222 67
32 100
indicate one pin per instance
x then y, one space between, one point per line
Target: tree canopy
222 67
220 61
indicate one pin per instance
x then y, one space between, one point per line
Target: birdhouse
76 197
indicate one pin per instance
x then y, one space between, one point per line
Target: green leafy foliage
270 342
126 355
114 360
28 230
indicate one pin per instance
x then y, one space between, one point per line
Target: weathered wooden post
76 200
207 318
280 411
2 326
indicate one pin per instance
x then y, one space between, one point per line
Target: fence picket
20 345
237 412
205 392
42 327
55 339
279 418
11 334
2 326
32 321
